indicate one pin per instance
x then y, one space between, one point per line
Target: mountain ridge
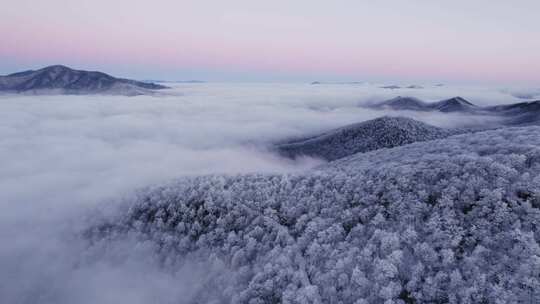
64 80
454 104
527 112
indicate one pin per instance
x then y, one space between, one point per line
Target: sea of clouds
64 156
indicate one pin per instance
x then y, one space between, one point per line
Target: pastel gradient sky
480 41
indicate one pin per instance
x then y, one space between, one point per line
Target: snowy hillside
446 221
516 114
60 79
454 104
384 132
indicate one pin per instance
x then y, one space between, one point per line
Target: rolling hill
455 104
455 218
60 79
523 113
384 132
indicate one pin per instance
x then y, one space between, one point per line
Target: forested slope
383 132
446 221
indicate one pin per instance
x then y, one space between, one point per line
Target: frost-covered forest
446 221
268 193
384 132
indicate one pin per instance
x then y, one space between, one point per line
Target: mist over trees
289 233
445 221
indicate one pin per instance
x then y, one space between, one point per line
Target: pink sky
485 41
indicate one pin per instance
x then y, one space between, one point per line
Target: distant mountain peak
49 69
454 104
64 80
522 113
391 87
405 99
403 103
459 99
57 67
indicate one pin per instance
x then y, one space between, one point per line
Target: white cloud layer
64 154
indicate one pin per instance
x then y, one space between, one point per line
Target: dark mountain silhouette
384 132
403 103
336 82
516 108
455 104
391 87
64 80
523 113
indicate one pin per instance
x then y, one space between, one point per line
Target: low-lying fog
61 155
